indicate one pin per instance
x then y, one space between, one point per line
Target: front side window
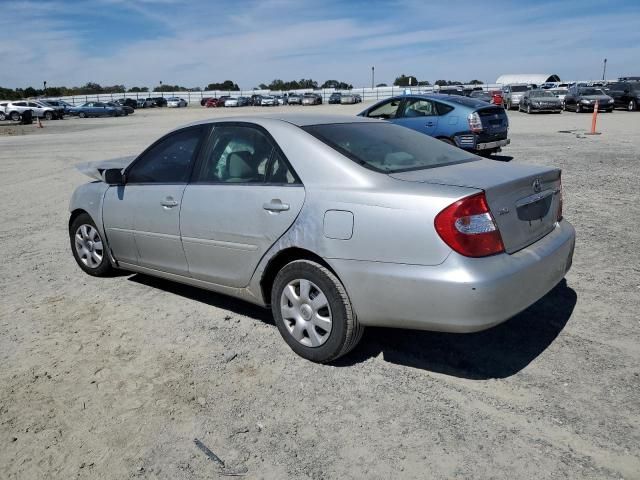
169 160
240 154
387 148
387 110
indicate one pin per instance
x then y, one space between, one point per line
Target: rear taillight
475 123
468 227
559 216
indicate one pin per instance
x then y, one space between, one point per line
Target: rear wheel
578 108
313 312
2 116
15 116
82 115
88 247
632 106
48 115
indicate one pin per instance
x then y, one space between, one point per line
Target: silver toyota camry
335 222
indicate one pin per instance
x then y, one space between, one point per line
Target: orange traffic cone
594 120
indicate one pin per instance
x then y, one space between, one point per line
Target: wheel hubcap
89 246
306 312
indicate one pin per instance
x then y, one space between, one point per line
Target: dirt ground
115 378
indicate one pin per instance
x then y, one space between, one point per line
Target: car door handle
276 205
429 124
169 203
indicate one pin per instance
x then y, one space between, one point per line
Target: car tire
82 115
529 109
578 108
15 116
2 116
48 115
632 106
88 247
509 106
335 330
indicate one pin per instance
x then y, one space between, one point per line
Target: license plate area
534 208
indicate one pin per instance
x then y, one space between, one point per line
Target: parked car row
13 110
256 100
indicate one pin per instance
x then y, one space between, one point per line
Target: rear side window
240 154
169 160
388 148
443 109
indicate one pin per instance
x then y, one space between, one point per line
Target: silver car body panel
380 238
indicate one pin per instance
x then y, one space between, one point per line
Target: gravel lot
114 378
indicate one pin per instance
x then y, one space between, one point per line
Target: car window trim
206 149
204 136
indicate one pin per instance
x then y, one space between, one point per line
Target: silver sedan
335 222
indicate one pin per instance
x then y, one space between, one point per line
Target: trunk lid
524 199
494 120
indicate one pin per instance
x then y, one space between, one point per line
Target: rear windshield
541 93
387 148
467 101
591 91
519 88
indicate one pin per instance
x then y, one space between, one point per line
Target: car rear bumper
462 294
555 108
492 145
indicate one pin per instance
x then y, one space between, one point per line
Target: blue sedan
464 122
94 109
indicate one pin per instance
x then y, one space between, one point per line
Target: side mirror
113 176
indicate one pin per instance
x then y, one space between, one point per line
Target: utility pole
604 68
45 88
373 69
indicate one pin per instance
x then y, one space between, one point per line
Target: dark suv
625 94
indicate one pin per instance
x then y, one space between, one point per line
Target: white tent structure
534 78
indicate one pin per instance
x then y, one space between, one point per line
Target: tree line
92 88
410 80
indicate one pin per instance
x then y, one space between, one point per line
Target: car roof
298 119
456 99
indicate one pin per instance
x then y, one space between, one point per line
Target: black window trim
208 145
203 139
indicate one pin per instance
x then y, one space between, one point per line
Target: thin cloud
252 42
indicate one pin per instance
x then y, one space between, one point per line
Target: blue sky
142 42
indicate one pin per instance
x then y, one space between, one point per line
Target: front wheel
529 109
313 312
578 108
82 115
15 116
632 106
48 115
2 116
88 246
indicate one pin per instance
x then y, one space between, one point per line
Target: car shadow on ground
499 352
234 305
